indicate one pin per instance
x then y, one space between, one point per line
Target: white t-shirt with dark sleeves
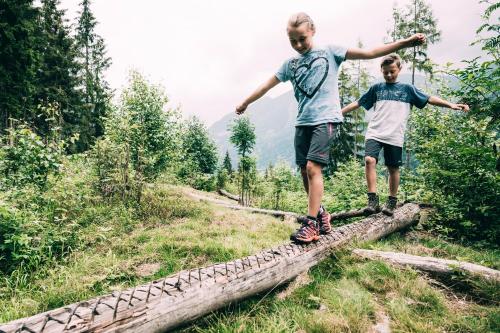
315 84
391 103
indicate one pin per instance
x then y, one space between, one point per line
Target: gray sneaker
389 206
373 204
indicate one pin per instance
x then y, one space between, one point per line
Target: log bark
431 264
164 304
228 195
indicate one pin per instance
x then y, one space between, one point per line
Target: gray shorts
312 143
392 154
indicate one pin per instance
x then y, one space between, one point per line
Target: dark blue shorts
313 143
392 154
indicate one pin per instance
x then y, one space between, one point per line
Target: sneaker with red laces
324 221
308 231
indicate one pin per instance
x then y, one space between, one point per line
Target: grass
173 233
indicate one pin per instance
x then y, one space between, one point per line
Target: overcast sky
209 55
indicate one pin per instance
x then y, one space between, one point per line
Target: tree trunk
228 195
349 214
227 204
164 304
430 264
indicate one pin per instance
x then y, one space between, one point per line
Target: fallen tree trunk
275 213
431 264
228 195
349 214
164 304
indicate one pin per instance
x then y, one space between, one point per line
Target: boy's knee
393 169
312 168
370 161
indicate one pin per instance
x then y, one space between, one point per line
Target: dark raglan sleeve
417 97
369 98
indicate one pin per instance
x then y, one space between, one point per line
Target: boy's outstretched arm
258 93
350 107
355 53
434 100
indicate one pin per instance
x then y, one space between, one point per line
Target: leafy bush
26 240
28 159
457 173
141 142
205 182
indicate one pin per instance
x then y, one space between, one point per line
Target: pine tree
343 148
18 59
93 63
56 74
227 165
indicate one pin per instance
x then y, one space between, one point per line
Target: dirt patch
147 269
383 324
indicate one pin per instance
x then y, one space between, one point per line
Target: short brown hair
297 19
391 59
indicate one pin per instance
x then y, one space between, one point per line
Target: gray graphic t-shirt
314 79
391 103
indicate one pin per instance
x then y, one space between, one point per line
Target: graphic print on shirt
393 95
309 73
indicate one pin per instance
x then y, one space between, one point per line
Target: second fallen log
430 264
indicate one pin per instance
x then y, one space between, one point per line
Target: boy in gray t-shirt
391 102
313 73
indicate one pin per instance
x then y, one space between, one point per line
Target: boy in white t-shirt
391 102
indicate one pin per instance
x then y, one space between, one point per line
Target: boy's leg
323 137
393 160
372 150
394 177
317 140
371 174
315 181
309 230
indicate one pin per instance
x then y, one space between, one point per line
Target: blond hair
391 59
299 18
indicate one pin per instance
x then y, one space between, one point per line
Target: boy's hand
241 108
463 107
415 40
